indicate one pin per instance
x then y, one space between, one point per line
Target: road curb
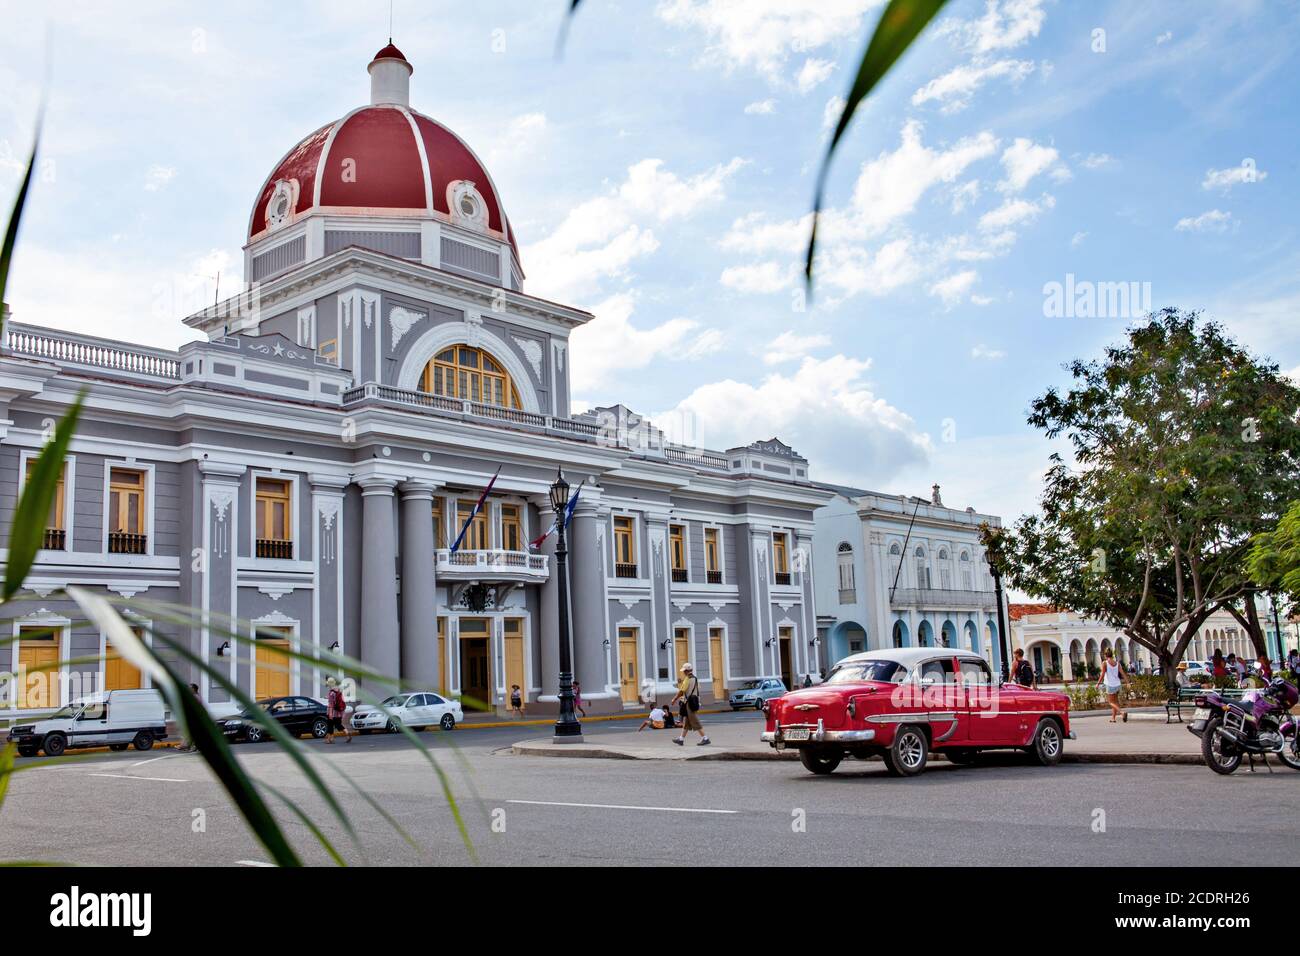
530 749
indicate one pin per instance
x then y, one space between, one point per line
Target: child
655 720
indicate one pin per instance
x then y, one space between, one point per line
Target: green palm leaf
899 25
11 231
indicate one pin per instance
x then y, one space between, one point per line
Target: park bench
1187 698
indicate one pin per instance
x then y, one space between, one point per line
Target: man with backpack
688 694
1022 672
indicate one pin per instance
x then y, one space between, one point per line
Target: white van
117 719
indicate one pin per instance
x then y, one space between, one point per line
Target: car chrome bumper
1072 736
817 735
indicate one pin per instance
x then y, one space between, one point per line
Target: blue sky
660 176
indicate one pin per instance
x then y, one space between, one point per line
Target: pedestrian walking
1293 660
1265 667
336 707
1022 672
516 701
577 698
1112 678
187 743
807 680
687 700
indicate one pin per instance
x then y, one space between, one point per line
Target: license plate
797 733
1202 713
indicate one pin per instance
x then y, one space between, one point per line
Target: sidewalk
1099 741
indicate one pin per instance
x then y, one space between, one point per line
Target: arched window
465 372
945 572
967 575
922 569
848 586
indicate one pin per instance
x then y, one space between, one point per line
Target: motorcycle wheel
1290 753
1212 749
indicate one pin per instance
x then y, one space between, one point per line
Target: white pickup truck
117 719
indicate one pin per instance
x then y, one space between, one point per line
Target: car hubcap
1051 742
910 751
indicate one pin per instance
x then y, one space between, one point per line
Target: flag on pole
478 506
568 513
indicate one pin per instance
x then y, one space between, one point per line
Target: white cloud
610 343
1215 220
600 238
520 136
831 113
757 234
1096 160
158 177
955 287
889 186
1014 212
982 351
1023 160
954 89
1005 25
790 345
852 270
965 194
1225 179
813 73
762 35
1077 239
1164 37
825 409
761 108
759 278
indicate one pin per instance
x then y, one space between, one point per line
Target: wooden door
629 676
120 674
475 680
515 655
38 654
786 635
682 648
272 668
444 667
717 666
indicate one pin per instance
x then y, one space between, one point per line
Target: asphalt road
165 808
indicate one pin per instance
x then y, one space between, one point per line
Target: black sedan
297 715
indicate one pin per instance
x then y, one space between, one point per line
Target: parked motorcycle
1233 729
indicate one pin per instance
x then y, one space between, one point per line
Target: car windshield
399 701
66 713
854 671
751 685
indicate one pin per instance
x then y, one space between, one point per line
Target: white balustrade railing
90 352
491 561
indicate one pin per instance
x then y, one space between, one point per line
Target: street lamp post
993 555
567 728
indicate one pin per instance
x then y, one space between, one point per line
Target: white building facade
907 572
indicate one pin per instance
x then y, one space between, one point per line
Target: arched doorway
847 637
924 635
972 637
948 634
900 634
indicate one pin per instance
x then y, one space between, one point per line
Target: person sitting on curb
655 720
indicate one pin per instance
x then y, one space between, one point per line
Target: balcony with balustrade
942 598
491 565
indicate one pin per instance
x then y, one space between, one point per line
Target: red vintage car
903 703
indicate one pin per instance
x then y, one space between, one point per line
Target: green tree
1274 558
1184 447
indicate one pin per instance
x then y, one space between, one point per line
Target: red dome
391 52
380 160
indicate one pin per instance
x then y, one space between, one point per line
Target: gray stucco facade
364 563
